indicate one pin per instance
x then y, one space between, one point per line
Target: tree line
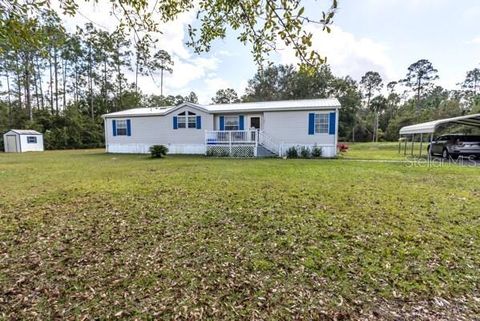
66 81
371 110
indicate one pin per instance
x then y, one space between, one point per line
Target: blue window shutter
222 123
175 122
332 123
114 127
199 122
311 123
241 122
129 127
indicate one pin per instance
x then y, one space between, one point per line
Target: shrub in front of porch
316 152
292 152
305 152
158 151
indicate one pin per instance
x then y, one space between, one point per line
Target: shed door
11 145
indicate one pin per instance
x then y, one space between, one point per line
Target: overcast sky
382 35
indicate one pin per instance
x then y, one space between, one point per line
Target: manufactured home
241 129
19 141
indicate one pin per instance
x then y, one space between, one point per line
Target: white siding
22 144
286 128
26 147
247 117
290 128
158 130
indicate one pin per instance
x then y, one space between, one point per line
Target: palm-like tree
162 61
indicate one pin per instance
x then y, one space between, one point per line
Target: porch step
264 152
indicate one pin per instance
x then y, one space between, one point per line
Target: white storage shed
20 140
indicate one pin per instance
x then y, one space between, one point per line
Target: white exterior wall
286 128
158 130
22 143
246 119
290 128
26 147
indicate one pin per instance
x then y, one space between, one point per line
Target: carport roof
431 126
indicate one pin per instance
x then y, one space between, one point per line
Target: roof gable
187 104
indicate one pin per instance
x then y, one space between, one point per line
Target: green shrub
305 152
158 151
316 151
292 152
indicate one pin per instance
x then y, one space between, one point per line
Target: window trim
121 127
35 141
187 120
237 118
318 117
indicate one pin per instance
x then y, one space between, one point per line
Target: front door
255 122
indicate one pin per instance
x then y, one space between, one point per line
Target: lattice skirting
231 151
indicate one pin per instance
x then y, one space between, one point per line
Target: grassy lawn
384 151
85 234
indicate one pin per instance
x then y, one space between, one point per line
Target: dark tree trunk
19 81
51 85
90 62
64 83
75 89
27 86
105 81
40 85
35 82
136 77
55 67
9 101
161 82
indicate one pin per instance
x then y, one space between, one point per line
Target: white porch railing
269 143
233 143
239 143
227 137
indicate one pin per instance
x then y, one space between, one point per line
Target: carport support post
399 144
405 149
421 144
413 140
430 151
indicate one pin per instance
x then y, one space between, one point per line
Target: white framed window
192 121
122 127
187 119
31 139
232 123
321 123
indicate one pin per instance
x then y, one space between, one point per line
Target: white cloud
378 5
188 66
347 54
474 41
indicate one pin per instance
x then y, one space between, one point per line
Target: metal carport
431 126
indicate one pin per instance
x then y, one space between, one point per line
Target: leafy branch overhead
266 25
